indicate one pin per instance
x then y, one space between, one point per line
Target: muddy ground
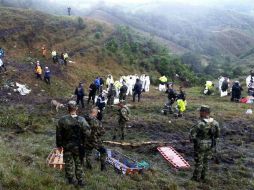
234 158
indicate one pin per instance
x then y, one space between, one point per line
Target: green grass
22 156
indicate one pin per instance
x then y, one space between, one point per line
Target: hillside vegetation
27 123
95 47
206 37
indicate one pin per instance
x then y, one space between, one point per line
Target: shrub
81 23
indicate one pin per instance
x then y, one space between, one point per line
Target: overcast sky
195 2
210 3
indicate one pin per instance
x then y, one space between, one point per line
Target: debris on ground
249 112
124 164
22 89
135 145
55 159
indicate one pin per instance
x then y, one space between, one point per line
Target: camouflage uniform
203 135
111 95
71 134
95 142
124 113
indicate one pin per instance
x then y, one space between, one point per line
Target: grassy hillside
27 124
216 36
23 32
28 134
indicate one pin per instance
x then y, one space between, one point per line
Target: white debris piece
22 89
249 112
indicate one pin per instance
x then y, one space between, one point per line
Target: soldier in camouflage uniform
204 136
124 117
71 133
95 141
111 95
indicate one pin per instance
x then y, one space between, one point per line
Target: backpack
224 86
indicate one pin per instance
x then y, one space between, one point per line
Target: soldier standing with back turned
124 117
95 140
204 136
71 133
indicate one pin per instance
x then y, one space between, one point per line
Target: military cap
205 108
72 104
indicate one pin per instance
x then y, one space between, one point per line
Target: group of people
104 98
127 85
38 72
62 59
225 88
78 136
235 89
179 98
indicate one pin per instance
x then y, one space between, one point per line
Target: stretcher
124 164
55 159
173 157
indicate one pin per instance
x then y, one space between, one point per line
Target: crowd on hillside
226 88
107 91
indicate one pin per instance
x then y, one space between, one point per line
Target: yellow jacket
163 79
38 70
209 85
118 85
181 105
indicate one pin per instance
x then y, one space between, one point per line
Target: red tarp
173 157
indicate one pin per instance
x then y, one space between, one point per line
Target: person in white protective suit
250 83
224 86
109 81
162 86
118 85
129 85
142 80
221 79
147 83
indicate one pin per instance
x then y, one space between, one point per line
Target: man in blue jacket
47 75
98 84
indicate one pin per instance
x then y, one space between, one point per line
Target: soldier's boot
195 178
81 183
71 181
103 166
203 176
89 166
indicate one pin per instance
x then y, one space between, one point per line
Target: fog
81 7
127 3
244 6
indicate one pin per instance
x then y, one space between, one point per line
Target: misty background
209 35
